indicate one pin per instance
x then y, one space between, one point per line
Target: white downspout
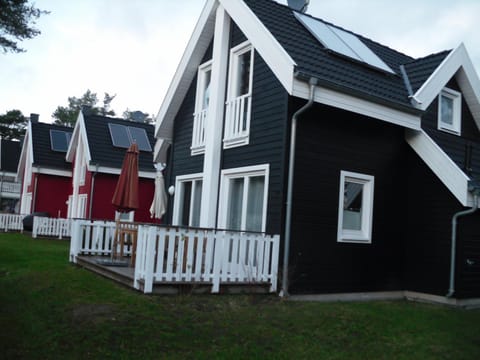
291 167
453 250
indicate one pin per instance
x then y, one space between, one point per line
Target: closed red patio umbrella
125 197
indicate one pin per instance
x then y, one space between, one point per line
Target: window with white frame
204 79
450 111
243 198
188 197
125 216
82 168
82 206
239 96
355 208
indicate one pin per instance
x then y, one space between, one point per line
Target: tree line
13 123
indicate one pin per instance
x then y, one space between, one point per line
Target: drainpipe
291 167
455 217
92 186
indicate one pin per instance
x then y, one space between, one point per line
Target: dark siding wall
267 134
331 140
430 211
452 144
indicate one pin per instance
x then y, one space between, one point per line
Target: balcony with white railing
179 256
237 121
198 135
12 188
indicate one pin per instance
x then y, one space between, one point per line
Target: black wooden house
384 149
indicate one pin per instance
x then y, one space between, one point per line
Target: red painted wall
51 194
104 187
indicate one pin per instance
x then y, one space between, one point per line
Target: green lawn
51 309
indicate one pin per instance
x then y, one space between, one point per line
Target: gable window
449 111
201 107
244 194
188 198
355 208
239 96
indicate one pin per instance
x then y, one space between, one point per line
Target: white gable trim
186 70
79 133
457 64
354 104
276 57
26 146
441 164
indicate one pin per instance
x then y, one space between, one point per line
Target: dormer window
201 107
449 111
239 96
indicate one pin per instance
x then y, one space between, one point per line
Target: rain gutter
475 190
291 167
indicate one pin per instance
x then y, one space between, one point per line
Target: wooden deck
125 276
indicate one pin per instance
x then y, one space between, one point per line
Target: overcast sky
132 47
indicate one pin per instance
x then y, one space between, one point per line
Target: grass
51 309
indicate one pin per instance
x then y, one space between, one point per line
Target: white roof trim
186 70
51 171
457 64
276 57
441 164
79 132
357 105
116 171
26 146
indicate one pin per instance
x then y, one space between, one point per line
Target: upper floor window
449 111
239 96
201 107
355 209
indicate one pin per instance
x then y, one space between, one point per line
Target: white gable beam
441 164
276 57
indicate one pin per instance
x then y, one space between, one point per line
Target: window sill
235 142
197 150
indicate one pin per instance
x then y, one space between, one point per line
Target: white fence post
150 259
217 261
75 240
35 226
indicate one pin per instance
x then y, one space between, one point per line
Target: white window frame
82 206
200 114
179 195
83 169
242 172
130 217
234 137
456 97
364 235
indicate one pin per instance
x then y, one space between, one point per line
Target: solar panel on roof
139 135
59 140
342 42
123 136
119 135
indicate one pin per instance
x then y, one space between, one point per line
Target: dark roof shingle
101 148
43 155
10 152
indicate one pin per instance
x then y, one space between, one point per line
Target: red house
42 169
96 151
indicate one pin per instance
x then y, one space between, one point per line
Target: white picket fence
180 255
11 222
51 227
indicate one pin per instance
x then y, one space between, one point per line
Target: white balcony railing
237 120
198 135
10 187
